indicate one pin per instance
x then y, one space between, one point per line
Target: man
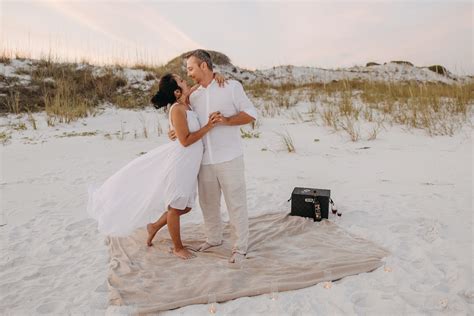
222 168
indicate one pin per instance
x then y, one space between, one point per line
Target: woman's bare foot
183 253
151 234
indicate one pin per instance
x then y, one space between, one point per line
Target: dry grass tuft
66 103
32 121
5 137
249 134
287 141
350 127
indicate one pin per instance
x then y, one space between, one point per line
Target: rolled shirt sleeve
241 100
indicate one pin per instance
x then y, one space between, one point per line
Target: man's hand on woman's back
172 135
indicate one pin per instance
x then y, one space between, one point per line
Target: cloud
75 11
255 35
102 31
344 34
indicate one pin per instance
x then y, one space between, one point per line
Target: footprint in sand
364 301
449 273
50 307
78 181
48 204
57 250
418 263
400 228
467 296
12 263
77 225
55 241
102 288
51 269
19 232
32 276
424 285
429 230
68 237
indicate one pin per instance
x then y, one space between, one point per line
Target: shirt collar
208 86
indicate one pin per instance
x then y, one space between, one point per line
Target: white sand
408 192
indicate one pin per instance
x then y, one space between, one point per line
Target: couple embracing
206 153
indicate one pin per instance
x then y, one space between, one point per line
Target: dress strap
171 108
169 115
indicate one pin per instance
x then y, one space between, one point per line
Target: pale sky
327 34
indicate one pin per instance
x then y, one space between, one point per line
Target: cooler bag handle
333 205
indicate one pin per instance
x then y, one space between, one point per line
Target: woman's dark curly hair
165 94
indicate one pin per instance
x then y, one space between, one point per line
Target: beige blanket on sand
291 251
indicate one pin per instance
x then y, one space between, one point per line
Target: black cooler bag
312 203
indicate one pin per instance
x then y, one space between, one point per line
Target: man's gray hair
202 55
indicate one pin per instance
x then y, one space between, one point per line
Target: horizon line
117 61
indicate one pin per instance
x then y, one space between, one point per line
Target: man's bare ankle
237 257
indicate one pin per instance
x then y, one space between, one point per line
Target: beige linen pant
229 178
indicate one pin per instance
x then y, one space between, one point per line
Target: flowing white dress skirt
142 190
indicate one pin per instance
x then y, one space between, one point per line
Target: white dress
141 191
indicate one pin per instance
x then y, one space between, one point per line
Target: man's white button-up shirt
222 143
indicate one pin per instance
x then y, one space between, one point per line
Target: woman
162 179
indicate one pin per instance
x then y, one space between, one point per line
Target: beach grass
439 109
69 91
